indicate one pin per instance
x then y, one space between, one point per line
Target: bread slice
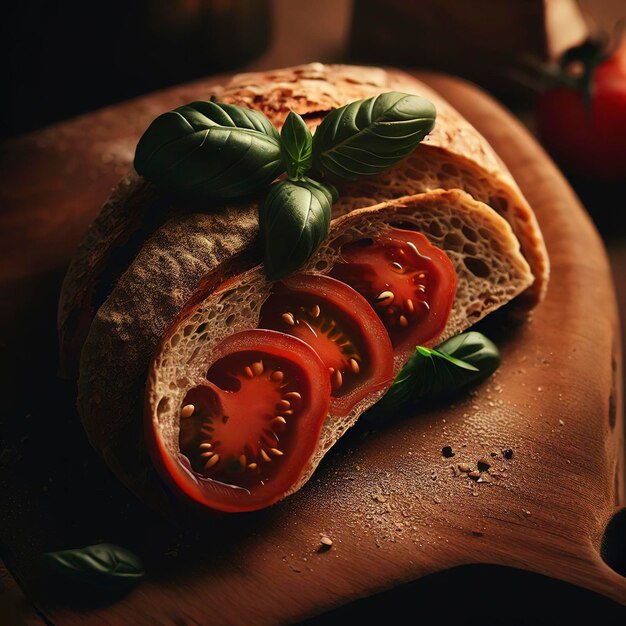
453 156
490 269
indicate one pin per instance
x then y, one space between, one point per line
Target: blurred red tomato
588 138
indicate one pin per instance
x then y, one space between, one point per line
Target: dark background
65 58
60 59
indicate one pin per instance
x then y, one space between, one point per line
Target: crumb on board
326 543
483 464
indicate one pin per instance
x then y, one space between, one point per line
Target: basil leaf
207 150
294 220
475 349
100 564
368 136
296 146
454 364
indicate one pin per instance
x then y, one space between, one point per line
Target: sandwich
200 377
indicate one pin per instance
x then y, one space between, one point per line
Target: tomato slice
410 283
248 432
341 327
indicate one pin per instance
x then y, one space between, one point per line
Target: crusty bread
189 252
453 156
130 205
125 296
490 268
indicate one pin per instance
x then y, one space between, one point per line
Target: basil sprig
99 565
209 150
294 220
368 136
429 373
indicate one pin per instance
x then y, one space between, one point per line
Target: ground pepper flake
447 452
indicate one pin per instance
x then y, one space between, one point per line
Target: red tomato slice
409 282
341 327
247 433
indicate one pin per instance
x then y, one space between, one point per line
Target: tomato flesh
410 283
248 431
342 329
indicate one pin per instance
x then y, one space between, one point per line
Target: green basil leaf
207 150
368 136
475 349
454 364
296 146
100 564
294 220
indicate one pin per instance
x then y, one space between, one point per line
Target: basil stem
207 150
368 136
296 146
294 220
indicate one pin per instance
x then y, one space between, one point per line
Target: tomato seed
337 379
277 376
288 319
385 297
212 461
257 368
187 410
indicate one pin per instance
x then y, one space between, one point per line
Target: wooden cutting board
399 514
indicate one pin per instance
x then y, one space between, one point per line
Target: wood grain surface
394 506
